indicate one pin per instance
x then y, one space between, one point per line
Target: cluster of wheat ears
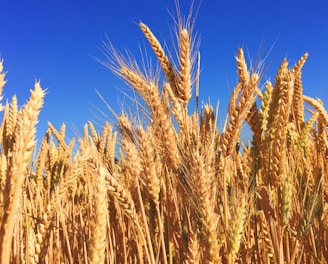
168 186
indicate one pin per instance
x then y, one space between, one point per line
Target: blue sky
54 41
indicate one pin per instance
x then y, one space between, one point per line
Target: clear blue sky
53 40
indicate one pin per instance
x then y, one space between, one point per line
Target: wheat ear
93 133
236 227
161 56
202 172
194 253
297 105
2 82
150 165
110 147
184 85
96 253
163 126
58 136
247 86
274 145
11 124
120 194
264 110
22 152
318 106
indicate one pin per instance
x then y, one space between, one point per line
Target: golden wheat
168 186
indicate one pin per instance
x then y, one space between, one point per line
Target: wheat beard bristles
22 152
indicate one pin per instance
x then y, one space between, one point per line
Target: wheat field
170 186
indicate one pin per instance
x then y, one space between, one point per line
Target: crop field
169 185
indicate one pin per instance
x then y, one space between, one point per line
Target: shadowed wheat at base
169 186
